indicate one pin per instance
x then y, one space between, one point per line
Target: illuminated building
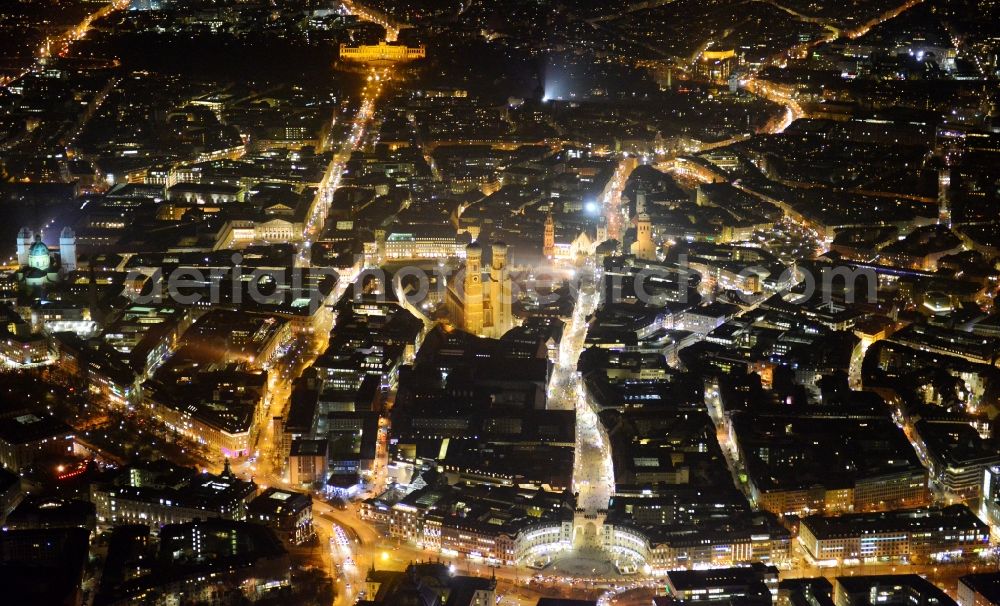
744 268
991 494
982 589
380 250
38 264
53 512
307 462
244 232
752 585
213 389
18 345
938 303
249 339
706 318
62 316
148 334
944 196
154 494
640 202
202 194
27 438
501 524
476 540
426 584
382 53
549 238
643 247
67 249
868 494
785 478
429 243
501 293
225 424
406 522
957 457
472 303
914 535
288 513
25 239
99 366
949 342
709 548
922 248
572 245
426 517
246 555
484 312
200 560
716 65
352 444
889 589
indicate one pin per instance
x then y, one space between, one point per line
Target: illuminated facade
288 513
307 462
224 427
27 438
978 589
382 52
549 238
478 309
944 196
906 488
643 247
991 494
38 264
915 535
716 65
407 245
156 494
243 233
728 549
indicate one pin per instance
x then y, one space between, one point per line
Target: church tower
643 248
472 312
944 196
24 240
500 291
549 238
640 201
67 249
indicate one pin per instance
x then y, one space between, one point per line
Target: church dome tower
38 255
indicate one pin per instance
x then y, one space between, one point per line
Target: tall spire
549 237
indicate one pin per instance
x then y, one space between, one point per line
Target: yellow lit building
483 310
382 53
716 65
644 247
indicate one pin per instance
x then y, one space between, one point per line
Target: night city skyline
510 303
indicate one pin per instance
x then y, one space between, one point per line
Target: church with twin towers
38 263
478 300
